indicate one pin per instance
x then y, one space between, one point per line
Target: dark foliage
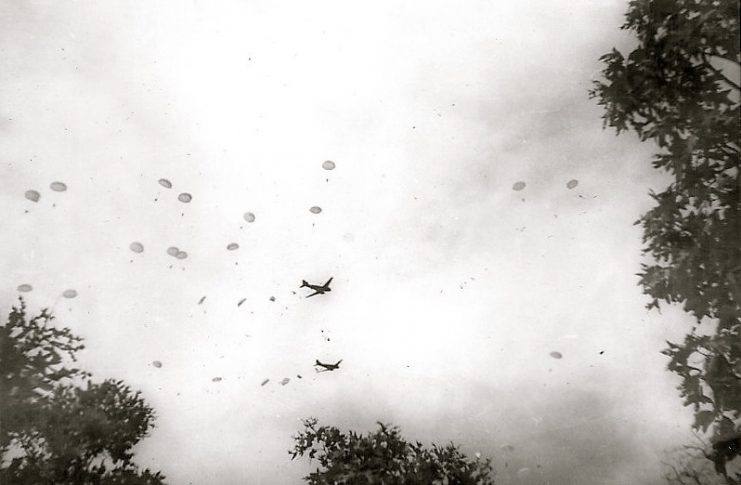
58 427
680 88
384 456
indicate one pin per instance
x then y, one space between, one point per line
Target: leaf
704 419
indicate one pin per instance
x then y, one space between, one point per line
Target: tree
680 88
57 425
689 465
384 456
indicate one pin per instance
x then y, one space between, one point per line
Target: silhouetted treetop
59 427
384 456
680 87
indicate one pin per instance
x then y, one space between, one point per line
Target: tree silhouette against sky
56 425
680 88
384 456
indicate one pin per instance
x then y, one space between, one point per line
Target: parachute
185 197
157 364
181 255
315 210
285 381
232 246
69 293
265 382
173 251
328 165
137 247
572 184
32 195
519 186
25 288
249 217
165 183
58 186
556 355
216 379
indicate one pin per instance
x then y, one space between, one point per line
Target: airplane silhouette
327 367
318 289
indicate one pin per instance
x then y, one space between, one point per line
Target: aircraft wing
314 294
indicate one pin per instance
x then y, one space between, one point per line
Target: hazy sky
450 288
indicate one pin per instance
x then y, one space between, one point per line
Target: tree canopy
57 425
384 456
679 87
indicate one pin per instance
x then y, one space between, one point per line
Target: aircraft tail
303 283
318 363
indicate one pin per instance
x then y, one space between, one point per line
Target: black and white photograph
252 242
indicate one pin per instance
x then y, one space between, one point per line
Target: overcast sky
450 290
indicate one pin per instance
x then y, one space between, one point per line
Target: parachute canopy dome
556 355
181 255
572 184
315 210
285 381
216 379
69 293
58 186
137 247
157 364
232 246
519 186
185 197
32 195
328 165
165 183
265 382
25 288
173 251
249 217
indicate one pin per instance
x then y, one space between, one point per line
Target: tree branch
732 61
719 73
